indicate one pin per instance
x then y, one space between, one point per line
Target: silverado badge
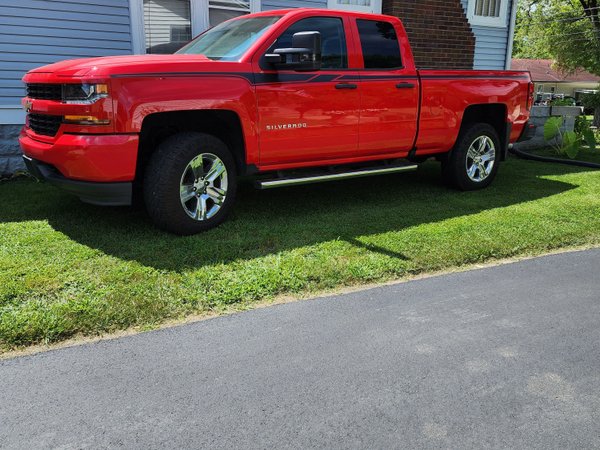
285 126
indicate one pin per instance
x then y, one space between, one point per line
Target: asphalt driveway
500 357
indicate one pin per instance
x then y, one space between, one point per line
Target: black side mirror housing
304 55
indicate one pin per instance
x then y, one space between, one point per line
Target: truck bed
446 94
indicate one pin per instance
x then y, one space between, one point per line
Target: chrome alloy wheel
481 156
203 186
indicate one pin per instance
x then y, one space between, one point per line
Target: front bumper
106 194
99 169
85 157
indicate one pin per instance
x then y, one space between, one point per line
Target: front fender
135 97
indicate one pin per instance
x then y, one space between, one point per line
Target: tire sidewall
459 157
162 185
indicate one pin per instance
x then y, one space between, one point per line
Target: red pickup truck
289 96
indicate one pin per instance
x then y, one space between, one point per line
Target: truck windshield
229 40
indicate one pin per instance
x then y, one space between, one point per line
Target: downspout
511 34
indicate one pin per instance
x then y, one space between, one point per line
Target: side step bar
292 181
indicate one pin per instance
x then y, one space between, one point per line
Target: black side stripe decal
475 77
277 77
249 76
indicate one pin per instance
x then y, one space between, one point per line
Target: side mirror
304 55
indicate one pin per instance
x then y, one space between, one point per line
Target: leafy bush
592 101
563 102
569 142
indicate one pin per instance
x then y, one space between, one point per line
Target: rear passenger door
389 91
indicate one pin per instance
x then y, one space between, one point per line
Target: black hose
569 162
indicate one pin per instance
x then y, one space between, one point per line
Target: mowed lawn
68 269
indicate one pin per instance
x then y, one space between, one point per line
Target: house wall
564 88
38 32
491 43
438 31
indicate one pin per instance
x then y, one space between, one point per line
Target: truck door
308 116
389 90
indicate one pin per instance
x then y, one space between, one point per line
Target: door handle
345 86
405 85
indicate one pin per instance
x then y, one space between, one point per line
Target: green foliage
566 31
569 143
581 124
563 102
552 127
589 138
591 100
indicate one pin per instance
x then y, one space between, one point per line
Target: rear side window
333 40
379 44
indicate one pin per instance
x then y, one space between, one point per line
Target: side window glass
379 43
333 40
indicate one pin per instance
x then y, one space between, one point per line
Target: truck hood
114 65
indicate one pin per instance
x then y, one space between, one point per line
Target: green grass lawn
68 269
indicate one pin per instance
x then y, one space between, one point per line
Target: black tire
164 173
454 167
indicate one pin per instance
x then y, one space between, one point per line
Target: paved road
500 357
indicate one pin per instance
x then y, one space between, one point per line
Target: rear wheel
473 163
190 183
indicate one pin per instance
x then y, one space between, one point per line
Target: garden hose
570 162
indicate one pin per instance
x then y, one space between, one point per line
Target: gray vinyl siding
490 47
160 17
267 5
38 32
490 44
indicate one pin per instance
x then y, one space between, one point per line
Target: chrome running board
292 181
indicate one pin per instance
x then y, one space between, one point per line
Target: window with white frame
369 6
492 13
167 25
222 10
164 26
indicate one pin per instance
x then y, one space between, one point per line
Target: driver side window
333 40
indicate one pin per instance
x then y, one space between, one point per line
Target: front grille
44 91
45 124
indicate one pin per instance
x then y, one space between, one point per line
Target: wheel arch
221 123
494 114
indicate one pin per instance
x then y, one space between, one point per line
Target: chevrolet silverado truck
287 96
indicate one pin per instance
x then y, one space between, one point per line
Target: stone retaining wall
539 116
10 153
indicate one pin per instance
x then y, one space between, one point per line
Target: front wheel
190 183
473 163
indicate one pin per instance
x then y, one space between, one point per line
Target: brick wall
438 30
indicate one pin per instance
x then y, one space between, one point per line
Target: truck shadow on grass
269 222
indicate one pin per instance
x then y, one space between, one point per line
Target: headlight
84 93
